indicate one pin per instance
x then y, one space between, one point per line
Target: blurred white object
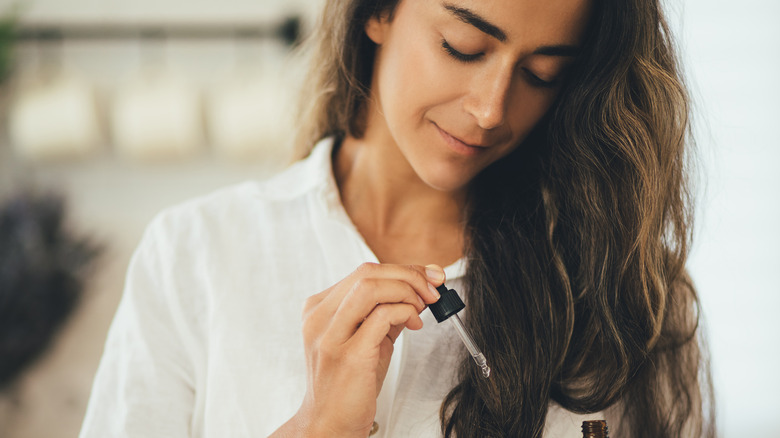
157 116
55 118
249 112
248 118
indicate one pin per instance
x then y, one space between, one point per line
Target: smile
458 145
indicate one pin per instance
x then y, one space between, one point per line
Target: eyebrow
480 23
475 20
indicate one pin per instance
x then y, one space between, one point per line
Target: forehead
527 21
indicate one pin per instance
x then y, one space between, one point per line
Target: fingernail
435 273
434 291
422 303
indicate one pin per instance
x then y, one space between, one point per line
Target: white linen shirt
207 340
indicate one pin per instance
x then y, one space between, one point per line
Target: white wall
732 53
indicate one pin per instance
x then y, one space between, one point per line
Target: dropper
447 308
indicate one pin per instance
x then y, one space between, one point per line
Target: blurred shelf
288 30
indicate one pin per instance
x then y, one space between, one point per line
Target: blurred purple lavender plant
43 268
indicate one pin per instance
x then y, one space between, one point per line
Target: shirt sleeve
144 386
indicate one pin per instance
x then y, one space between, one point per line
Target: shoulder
254 205
250 219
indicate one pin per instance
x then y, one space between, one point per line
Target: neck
402 219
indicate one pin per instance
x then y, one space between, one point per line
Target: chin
447 180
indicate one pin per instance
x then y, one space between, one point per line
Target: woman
536 149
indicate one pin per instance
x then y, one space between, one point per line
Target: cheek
412 81
527 107
524 112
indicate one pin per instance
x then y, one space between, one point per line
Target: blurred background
123 108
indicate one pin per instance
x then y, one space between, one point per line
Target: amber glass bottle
595 429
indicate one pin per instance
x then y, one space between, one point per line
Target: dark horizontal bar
288 30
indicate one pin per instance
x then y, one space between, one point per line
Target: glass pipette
447 308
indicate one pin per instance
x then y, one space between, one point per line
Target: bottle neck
595 429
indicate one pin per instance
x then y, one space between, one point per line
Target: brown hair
576 241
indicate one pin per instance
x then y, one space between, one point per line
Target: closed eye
536 81
460 56
532 78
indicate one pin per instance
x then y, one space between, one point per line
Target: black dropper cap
448 305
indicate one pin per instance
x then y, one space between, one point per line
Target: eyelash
467 58
463 57
539 82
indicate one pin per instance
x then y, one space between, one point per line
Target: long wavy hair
576 242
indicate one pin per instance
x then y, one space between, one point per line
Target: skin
434 122
420 90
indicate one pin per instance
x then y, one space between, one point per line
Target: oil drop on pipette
447 308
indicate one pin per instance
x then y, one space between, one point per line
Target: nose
488 97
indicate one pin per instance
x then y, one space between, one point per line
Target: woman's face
458 84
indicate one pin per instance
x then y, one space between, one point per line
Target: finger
365 296
395 332
368 292
327 303
313 301
382 320
313 322
435 274
419 277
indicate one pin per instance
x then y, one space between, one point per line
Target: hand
349 331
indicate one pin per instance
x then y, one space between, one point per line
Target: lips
462 146
474 144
